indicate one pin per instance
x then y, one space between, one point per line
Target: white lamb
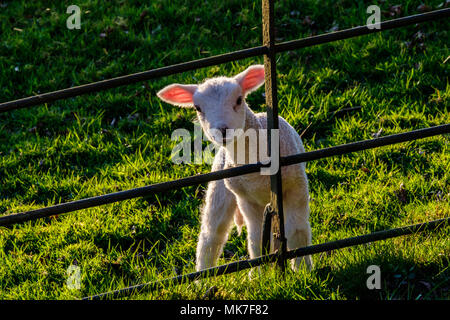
221 108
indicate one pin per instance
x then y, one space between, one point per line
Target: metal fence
274 212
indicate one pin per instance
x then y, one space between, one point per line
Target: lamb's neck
245 148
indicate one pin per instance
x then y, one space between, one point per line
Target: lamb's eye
197 107
239 101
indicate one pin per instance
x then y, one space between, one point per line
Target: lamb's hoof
302 263
254 273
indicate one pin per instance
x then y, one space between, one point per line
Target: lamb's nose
223 130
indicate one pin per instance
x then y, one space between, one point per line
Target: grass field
120 139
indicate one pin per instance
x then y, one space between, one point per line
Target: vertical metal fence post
276 202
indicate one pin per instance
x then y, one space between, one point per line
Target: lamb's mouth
227 140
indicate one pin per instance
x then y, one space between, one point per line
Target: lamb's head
220 102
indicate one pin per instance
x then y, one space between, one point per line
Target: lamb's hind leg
216 222
298 233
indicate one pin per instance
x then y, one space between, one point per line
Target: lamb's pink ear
178 94
251 79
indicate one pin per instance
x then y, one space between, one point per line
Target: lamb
221 110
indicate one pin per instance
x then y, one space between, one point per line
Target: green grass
120 139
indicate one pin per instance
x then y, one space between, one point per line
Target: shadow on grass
401 278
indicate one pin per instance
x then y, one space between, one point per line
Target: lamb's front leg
216 222
253 216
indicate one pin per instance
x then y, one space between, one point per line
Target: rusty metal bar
361 30
276 190
131 78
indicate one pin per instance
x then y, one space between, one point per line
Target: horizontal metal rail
219 59
217 175
361 30
250 263
130 79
